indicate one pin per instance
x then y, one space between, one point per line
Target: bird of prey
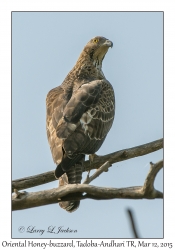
80 113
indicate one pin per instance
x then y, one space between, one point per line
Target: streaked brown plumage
80 113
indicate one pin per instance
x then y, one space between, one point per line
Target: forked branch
25 200
98 161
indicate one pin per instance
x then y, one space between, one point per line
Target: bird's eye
96 40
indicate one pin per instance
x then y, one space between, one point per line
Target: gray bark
23 200
117 156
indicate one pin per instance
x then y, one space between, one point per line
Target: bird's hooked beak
108 43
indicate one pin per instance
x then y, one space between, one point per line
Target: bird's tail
72 176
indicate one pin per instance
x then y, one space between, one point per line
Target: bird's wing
101 114
81 100
79 125
55 104
92 106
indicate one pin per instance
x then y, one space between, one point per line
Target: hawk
80 113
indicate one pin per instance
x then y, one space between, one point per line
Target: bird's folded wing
81 100
92 106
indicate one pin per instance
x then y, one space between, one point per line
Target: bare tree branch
99 171
25 200
148 187
117 156
133 223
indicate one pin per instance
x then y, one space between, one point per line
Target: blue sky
45 47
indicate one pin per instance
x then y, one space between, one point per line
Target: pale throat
98 59
98 65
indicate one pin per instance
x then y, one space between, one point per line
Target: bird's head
97 47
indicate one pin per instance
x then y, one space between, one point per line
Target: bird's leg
91 160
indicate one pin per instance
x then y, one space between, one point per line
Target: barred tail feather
72 176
